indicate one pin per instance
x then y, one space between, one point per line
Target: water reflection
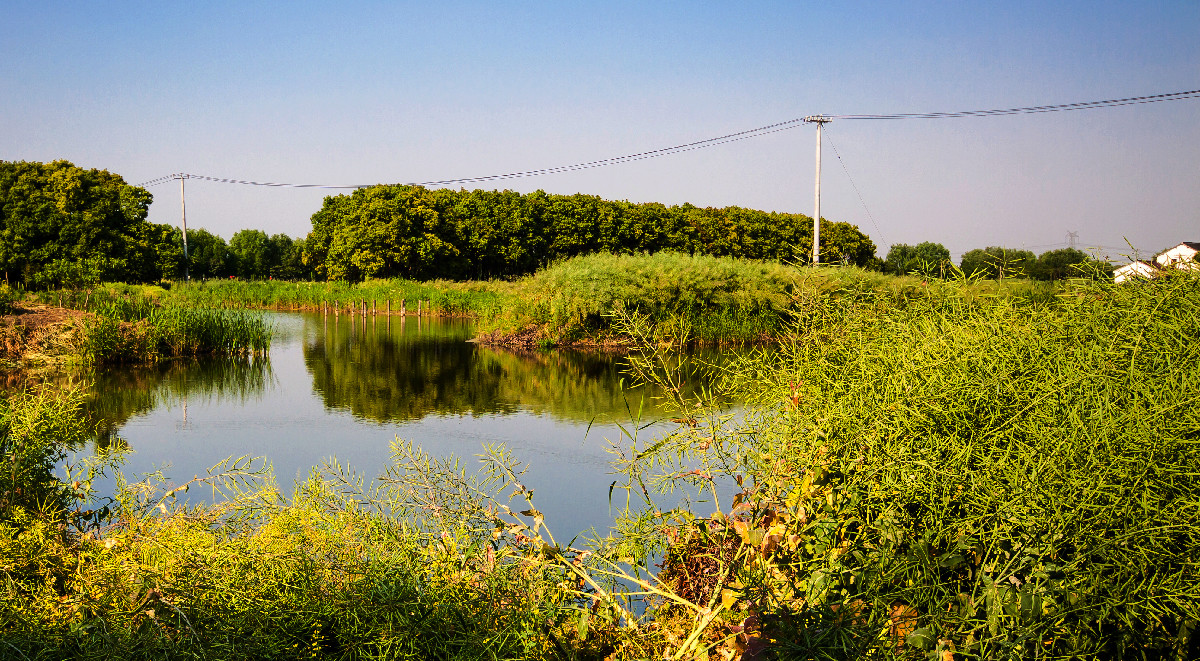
409 368
347 387
121 392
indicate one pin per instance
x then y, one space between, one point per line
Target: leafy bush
8 296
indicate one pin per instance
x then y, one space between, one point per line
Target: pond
348 386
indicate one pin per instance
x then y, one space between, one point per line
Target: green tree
289 258
255 255
159 253
997 263
1066 263
208 255
62 224
927 259
845 243
414 232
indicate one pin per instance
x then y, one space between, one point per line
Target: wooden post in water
374 307
418 308
403 308
389 307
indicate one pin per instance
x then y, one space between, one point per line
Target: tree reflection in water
394 370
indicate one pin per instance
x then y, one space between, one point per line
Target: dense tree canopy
1067 263
998 263
258 256
927 259
208 255
63 224
420 233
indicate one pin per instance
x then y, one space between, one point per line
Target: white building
1138 269
1181 256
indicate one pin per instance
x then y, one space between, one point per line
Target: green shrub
8 296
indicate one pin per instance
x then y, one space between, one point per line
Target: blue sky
363 92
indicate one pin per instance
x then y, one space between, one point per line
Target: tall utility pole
819 120
1071 238
183 221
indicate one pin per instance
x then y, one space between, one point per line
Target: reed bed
379 296
134 325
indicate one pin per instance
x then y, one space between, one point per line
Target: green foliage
998 263
56 215
716 298
927 259
413 232
36 428
130 324
428 561
159 253
260 257
8 296
960 474
1068 263
208 255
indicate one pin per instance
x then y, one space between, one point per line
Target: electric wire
712 142
628 158
878 232
1029 110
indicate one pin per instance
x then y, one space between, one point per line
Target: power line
183 175
712 142
1029 110
628 158
878 232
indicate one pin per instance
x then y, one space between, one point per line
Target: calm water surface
346 387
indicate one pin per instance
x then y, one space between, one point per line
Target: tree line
931 259
419 233
62 225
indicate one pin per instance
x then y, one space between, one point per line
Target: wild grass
436 297
423 563
133 325
964 475
714 300
956 476
711 300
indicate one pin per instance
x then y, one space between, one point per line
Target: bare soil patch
33 332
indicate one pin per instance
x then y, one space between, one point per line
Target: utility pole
1071 237
819 120
183 220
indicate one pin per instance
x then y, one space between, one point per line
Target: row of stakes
374 309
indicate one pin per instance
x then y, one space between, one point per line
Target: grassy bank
437 297
962 476
711 300
110 325
707 300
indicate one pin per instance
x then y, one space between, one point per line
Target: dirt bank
34 333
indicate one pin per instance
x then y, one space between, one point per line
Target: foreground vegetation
120 324
947 475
